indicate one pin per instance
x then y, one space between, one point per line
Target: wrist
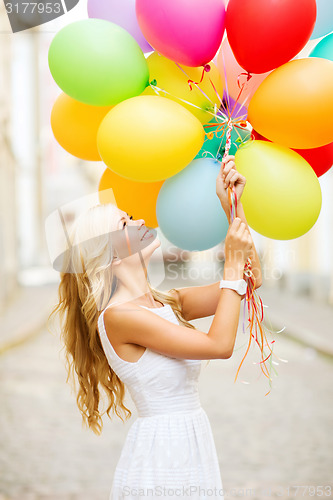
233 270
225 207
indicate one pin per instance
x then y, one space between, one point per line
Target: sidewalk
26 315
306 320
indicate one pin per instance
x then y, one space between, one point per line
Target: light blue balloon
324 21
324 48
188 210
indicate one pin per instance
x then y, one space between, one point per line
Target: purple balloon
121 12
240 110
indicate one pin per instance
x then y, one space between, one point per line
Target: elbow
226 353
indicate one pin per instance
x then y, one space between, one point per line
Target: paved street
280 440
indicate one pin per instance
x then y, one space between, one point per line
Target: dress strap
109 305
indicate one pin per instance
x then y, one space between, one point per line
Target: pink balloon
186 31
226 58
121 12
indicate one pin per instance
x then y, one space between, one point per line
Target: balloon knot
207 68
153 82
210 135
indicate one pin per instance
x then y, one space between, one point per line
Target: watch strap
239 286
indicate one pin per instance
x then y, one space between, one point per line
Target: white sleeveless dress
169 450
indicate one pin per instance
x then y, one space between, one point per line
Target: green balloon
215 147
98 63
324 48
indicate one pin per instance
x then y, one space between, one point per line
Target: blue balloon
324 21
188 210
324 48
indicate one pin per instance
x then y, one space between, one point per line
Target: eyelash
125 221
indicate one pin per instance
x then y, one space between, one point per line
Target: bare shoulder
119 318
120 308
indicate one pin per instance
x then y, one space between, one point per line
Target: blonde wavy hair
82 296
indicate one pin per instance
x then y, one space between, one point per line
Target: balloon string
226 81
229 120
216 92
157 90
254 303
197 84
249 76
205 69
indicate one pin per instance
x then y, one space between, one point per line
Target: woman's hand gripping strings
228 176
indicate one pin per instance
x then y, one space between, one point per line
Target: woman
143 340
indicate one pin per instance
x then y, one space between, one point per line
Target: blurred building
8 222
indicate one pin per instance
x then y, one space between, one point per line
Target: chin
149 249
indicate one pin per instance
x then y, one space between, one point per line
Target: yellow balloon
135 198
171 78
293 106
149 138
282 197
75 126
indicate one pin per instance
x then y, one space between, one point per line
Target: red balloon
265 34
320 159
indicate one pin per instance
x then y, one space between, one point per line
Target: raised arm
131 324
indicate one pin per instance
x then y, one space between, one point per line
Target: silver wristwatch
240 286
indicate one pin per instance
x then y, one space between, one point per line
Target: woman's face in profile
132 236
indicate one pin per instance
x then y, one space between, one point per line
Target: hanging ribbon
255 306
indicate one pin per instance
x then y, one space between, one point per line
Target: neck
133 284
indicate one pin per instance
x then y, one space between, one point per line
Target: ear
116 261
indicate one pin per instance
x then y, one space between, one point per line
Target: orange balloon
75 125
294 105
135 198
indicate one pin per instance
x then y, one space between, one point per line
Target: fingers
236 223
228 158
239 226
232 177
242 228
228 162
229 166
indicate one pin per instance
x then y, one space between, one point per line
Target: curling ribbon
205 69
248 77
255 308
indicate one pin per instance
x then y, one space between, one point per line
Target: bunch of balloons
157 92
